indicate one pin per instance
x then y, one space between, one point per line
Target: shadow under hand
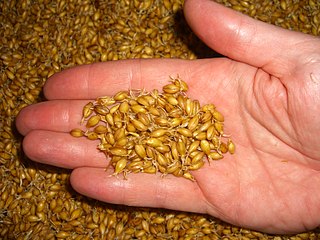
185 33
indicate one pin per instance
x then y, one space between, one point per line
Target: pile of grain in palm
154 132
40 38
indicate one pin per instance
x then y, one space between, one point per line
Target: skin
268 89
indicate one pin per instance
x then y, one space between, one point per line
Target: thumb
247 40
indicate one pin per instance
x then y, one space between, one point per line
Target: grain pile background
39 38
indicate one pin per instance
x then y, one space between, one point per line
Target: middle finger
63 150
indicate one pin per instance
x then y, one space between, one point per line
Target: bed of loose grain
39 38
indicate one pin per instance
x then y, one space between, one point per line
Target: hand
268 89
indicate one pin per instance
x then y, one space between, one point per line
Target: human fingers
276 50
100 79
62 150
58 115
145 190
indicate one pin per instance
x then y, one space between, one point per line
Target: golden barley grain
218 116
189 105
172 168
193 123
154 142
118 151
162 160
138 108
231 146
215 156
32 218
75 214
120 96
171 88
121 164
201 136
205 146
62 234
193 146
181 148
140 150
100 129
163 149
41 206
124 107
93 121
158 132
153 111
185 132
76 132
92 226
139 125
26 195
198 157
119 133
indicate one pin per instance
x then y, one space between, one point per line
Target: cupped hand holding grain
268 89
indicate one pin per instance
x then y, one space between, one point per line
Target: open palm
268 89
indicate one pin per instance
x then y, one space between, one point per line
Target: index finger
100 79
